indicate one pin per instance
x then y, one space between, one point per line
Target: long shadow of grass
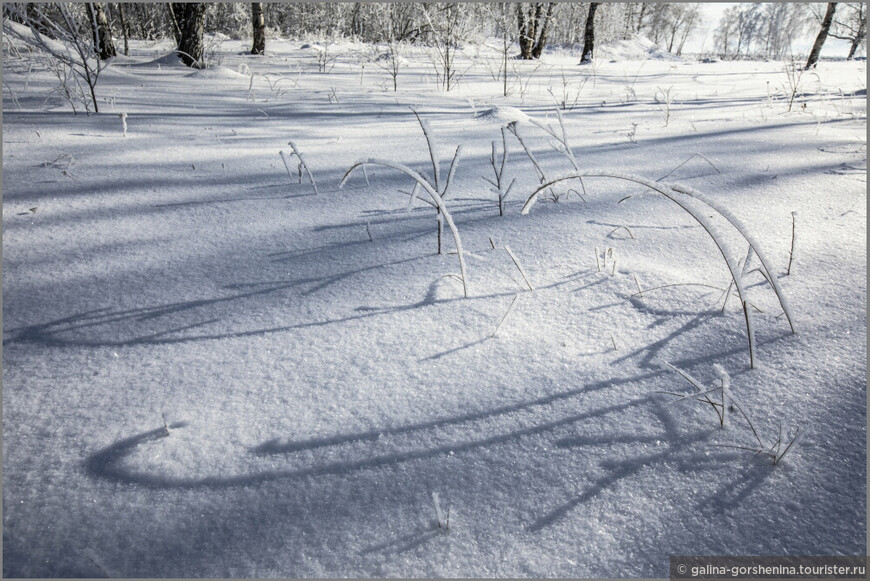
678 450
108 462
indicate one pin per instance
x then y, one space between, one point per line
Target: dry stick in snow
670 173
687 160
286 165
508 312
621 228
791 251
640 293
728 399
699 386
519 266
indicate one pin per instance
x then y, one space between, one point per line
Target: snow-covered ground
320 371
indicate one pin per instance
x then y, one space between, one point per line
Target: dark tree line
747 29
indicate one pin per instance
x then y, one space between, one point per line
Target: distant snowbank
635 48
216 73
24 34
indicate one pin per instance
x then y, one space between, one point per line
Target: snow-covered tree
190 21
589 35
762 29
850 24
823 34
103 42
258 23
533 21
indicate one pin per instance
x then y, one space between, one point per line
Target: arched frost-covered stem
298 154
739 226
672 192
436 197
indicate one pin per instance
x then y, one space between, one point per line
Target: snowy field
329 392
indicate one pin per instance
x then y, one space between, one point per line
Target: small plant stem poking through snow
791 251
298 154
519 266
725 380
286 165
369 231
612 340
123 117
505 316
442 519
729 402
597 262
750 331
165 425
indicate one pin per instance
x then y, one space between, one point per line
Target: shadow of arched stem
108 463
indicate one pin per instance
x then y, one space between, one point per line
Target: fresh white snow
328 390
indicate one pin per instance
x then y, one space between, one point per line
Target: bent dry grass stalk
791 249
436 199
505 316
436 172
302 165
674 193
519 266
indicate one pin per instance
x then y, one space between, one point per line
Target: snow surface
323 380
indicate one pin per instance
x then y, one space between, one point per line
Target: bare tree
589 36
449 24
680 22
189 19
501 14
762 28
258 22
850 24
105 46
125 30
533 23
69 45
823 34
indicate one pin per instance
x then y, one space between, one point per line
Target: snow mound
19 33
169 60
635 48
502 114
217 73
